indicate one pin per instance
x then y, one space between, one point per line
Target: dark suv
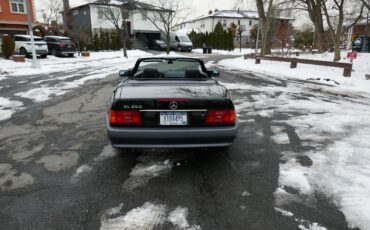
59 46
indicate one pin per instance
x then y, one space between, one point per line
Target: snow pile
56 64
8 107
235 52
357 82
144 172
146 217
333 122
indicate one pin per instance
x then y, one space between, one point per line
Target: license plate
39 45
173 118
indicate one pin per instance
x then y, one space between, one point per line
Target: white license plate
173 118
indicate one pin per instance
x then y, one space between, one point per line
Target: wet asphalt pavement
58 171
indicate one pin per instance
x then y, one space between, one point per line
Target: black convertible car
170 103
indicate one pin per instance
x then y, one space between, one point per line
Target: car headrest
194 73
150 73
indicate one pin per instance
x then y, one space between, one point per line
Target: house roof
361 22
138 5
242 14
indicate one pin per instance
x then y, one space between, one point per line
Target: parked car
157 45
180 42
23 45
59 46
171 103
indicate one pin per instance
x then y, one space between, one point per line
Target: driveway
58 170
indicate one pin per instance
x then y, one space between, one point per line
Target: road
58 170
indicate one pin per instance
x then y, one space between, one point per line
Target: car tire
54 52
71 55
179 48
23 51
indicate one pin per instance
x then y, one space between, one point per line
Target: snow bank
8 107
148 216
357 82
56 64
338 128
235 52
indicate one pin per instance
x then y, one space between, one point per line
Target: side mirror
124 73
214 73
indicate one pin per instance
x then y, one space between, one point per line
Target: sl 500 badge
132 106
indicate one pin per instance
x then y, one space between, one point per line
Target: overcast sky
196 7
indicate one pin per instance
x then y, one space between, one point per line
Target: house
92 17
359 29
13 16
245 18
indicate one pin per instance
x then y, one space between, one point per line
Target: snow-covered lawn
333 121
235 52
357 82
55 64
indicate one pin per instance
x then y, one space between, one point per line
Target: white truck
180 42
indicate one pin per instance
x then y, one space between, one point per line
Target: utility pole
240 36
35 64
258 37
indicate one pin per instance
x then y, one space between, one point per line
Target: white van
180 42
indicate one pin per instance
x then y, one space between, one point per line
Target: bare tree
264 17
366 4
314 10
164 16
118 14
51 11
335 13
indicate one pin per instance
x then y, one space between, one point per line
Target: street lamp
35 64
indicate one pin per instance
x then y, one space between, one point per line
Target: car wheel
179 48
54 52
70 55
23 51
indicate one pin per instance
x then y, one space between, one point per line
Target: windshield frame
160 59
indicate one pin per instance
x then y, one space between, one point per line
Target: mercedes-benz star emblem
173 105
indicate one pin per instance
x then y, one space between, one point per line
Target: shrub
8 46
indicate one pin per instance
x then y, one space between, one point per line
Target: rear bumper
186 137
39 52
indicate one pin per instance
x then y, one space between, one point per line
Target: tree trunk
124 38
168 48
320 32
315 13
265 26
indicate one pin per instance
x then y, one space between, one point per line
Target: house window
100 13
224 23
144 15
250 22
17 6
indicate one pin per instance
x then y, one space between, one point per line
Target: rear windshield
38 39
65 41
170 69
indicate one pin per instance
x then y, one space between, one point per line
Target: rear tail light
62 45
124 117
221 116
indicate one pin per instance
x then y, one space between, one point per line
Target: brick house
13 16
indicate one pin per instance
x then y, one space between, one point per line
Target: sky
196 7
